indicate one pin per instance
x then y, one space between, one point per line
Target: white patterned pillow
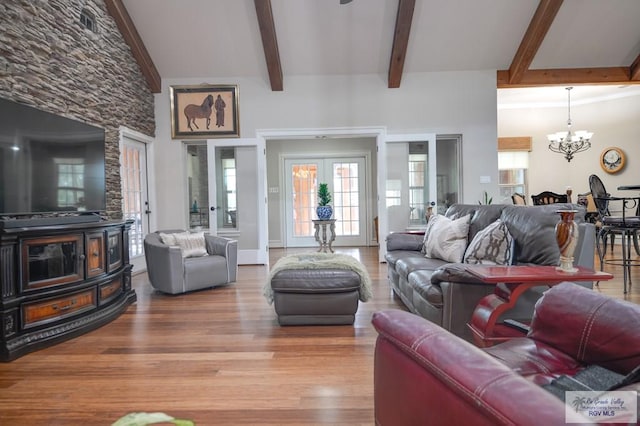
192 245
170 239
491 246
432 220
448 239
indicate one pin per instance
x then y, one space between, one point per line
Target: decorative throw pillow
491 246
170 239
192 245
448 239
432 220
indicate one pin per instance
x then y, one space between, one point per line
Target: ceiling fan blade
345 1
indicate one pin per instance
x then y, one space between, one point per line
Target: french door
135 201
237 195
420 174
346 177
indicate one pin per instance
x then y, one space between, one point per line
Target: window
512 168
417 179
70 182
87 20
229 194
393 194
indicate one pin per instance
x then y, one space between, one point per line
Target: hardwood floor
217 357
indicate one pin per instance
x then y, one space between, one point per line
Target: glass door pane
52 260
348 175
227 194
345 198
397 187
237 205
420 174
135 203
301 185
448 173
304 179
198 186
418 183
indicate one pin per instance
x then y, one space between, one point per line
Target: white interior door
135 193
418 171
430 178
346 178
237 195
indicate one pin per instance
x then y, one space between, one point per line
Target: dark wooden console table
58 281
484 322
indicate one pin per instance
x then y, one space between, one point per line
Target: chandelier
568 143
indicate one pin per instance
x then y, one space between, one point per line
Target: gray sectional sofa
446 294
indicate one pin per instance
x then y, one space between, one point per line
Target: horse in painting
193 111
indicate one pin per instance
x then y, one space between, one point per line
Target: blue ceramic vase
324 212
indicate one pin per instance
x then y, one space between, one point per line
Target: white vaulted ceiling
222 38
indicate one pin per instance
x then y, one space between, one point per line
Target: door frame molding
148 141
377 132
382 176
260 255
368 190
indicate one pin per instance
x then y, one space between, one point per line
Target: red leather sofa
424 375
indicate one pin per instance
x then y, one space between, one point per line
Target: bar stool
625 226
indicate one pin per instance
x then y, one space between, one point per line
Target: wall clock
612 160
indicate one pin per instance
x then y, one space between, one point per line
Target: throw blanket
321 261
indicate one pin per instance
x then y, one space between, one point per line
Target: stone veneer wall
50 61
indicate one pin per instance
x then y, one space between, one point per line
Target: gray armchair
170 273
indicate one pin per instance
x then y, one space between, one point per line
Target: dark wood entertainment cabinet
60 281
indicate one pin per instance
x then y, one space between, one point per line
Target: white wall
451 103
615 122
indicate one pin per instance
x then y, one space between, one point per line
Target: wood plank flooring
217 357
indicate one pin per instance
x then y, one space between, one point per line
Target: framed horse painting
204 111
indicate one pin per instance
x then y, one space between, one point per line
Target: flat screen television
49 165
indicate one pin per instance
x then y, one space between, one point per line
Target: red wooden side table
484 322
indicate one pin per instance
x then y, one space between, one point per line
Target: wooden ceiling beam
536 32
400 41
128 30
557 77
269 43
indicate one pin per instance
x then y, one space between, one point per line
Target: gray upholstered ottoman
317 288
315 296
